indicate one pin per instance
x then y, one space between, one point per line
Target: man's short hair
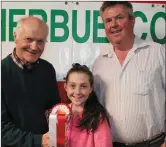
109 4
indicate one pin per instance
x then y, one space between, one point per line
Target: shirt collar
139 44
16 59
108 50
20 63
79 115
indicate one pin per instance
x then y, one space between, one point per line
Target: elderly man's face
30 42
118 24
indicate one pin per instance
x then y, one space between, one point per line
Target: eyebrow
34 38
79 83
114 16
71 82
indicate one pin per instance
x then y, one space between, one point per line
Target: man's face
30 42
118 25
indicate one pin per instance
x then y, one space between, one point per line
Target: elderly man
28 87
130 80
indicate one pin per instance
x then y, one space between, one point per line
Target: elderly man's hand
164 144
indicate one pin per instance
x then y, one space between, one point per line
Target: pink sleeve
102 136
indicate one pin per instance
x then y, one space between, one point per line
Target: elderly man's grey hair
21 22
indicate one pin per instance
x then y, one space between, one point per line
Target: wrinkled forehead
34 30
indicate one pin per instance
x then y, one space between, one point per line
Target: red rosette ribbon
57 124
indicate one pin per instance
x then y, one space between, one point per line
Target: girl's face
78 88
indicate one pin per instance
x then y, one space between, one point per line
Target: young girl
88 125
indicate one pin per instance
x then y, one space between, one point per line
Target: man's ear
133 21
15 37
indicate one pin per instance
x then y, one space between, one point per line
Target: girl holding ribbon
88 125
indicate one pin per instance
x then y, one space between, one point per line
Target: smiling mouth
77 98
116 31
31 52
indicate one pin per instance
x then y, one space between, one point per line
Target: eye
108 20
72 86
28 39
40 41
119 17
83 86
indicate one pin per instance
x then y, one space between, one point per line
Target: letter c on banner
153 26
144 19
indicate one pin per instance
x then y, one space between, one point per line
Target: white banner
76 30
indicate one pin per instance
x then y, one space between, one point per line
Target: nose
34 45
78 90
114 23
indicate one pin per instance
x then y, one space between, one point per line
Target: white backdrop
80 33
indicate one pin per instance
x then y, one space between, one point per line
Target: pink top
77 138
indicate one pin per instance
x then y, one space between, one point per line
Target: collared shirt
133 93
20 63
16 59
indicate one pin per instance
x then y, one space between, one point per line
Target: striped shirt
133 93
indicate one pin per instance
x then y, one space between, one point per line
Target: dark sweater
25 97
